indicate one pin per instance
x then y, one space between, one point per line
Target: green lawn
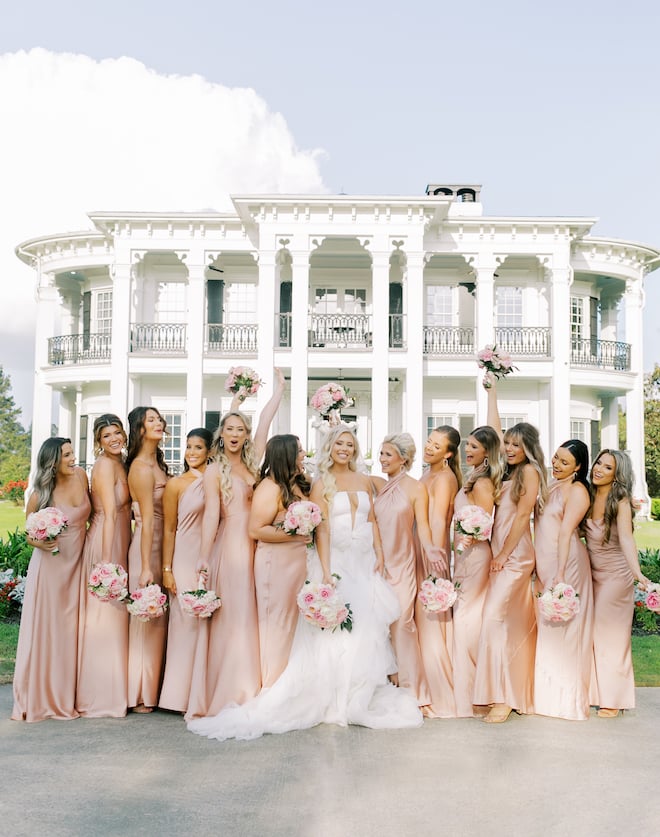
8 640
647 534
11 516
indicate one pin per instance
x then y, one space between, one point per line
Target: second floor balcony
601 354
340 331
232 339
79 348
158 339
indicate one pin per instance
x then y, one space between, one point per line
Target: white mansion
391 295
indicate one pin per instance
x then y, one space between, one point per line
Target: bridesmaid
47 653
442 481
401 507
183 508
147 477
280 561
103 643
226 667
482 488
615 567
564 650
505 660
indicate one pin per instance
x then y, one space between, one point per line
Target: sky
165 106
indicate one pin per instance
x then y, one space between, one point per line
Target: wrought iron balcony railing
340 331
233 339
79 348
158 338
602 354
446 340
525 340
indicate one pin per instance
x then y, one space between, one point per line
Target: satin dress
45 675
183 629
505 659
564 650
146 640
613 680
103 642
227 666
333 677
280 570
471 573
395 517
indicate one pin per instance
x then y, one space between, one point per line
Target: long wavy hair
199 433
453 438
493 466
136 433
45 475
621 488
281 465
248 455
100 424
527 436
405 446
325 462
580 453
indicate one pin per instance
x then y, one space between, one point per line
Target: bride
334 676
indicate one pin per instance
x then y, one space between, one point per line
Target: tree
652 430
14 440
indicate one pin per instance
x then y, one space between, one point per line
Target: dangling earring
221 442
574 476
445 462
402 468
485 462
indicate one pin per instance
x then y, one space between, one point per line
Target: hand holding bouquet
147 603
321 605
45 525
108 582
200 602
474 522
559 603
496 362
243 381
437 594
330 397
301 518
652 598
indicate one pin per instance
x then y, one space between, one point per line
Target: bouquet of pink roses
108 582
473 521
301 518
652 598
559 603
437 594
200 602
321 605
495 361
243 380
330 397
147 603
46 524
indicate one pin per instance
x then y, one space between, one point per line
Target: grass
647 534
11 516
8 640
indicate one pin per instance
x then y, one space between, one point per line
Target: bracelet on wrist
167 569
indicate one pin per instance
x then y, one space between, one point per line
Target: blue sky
553 109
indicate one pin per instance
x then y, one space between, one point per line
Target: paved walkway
148 775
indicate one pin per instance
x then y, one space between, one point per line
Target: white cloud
80 135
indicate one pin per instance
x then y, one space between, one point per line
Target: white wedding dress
333 677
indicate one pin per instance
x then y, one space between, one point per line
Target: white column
266 316
485 325
299 347
195 332
380 355
609 423
560 387
47 305
634 302
414 311
121 322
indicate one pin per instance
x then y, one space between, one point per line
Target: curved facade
391 295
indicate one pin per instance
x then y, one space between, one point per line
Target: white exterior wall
345 242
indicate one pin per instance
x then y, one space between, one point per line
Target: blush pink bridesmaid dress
227 667
183 630
471 573
505 659
146 640
47 654
103 642
613 681
564 650
395 517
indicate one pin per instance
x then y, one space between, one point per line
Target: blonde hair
405 445
527 436
492 467
248 455
325 462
